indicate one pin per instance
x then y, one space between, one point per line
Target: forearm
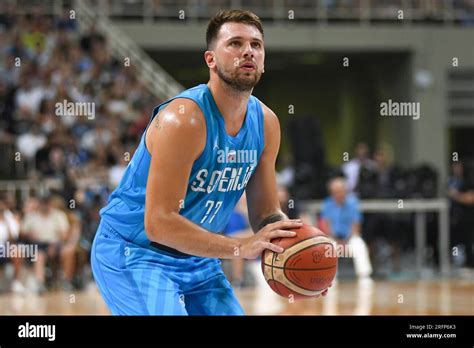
177 232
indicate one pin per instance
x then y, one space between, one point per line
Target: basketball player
157 249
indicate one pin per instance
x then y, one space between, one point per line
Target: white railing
160 83
418 206
24 188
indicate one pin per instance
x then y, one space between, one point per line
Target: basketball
306 268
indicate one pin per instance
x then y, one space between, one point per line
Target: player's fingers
273 247
280 234
285 224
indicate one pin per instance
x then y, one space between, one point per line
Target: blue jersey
217 180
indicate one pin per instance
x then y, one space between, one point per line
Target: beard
239 80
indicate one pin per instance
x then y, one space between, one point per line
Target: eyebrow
240 38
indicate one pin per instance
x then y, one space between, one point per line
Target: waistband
156 247
167 250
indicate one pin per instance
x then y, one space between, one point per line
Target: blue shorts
134 280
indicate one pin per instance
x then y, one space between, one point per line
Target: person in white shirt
9 233
29 143
352 168
48 228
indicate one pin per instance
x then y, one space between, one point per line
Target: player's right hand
252 247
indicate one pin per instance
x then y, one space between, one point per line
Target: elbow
152 226
157 226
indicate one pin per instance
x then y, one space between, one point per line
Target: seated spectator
48 228
69 244
341 219
88 206
9 233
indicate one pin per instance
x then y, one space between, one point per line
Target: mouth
248 66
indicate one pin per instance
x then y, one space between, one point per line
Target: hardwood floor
345 298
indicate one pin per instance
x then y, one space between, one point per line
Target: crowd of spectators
45 61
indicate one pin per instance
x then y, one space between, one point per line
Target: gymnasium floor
346 298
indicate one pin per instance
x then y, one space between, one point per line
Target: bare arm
462 197
175 140
262 194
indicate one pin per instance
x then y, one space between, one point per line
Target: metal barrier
420 208
22 188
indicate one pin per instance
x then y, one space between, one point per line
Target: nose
248 51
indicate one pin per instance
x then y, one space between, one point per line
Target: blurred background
330 66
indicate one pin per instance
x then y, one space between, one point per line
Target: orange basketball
307 266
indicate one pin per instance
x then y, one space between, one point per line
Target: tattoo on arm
270 219
157 122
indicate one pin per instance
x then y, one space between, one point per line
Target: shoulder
181 121
269 117
182 112
327 202
352 164
352 200
59 214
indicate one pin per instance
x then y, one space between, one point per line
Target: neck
232 103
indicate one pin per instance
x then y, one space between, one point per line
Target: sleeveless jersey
217 180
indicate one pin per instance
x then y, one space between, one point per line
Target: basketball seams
291 250
301 250
282 278
301 269
288 283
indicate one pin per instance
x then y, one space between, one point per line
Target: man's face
362 151
45 207
338 192
239 55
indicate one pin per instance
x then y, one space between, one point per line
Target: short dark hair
224 16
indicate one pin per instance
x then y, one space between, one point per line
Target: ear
209 57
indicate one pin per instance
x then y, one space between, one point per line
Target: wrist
271 219
239 249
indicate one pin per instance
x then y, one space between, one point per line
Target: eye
256 44
235 43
